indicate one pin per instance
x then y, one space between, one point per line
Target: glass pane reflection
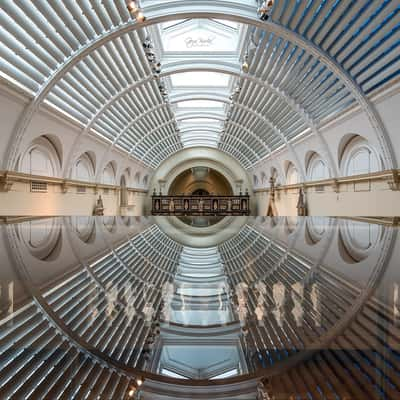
87 310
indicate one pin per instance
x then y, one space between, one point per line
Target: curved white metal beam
175 10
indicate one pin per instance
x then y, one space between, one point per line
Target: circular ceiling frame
174 10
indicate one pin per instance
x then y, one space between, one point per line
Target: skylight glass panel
193 121
200 104
227 374
201 35
172 374
200 79
230 24
169 24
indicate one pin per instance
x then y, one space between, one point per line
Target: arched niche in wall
317 168
145 180
84 227
357 239
109 174
84 167
137 178
292 175
357 156
42 157
41 237
255 180
264 179
124 191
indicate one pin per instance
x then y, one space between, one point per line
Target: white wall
374 199
70 145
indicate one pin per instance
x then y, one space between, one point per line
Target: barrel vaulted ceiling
311 60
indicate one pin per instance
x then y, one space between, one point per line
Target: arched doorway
210 183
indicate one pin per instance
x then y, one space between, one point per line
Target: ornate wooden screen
200 205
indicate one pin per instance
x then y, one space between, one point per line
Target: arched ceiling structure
309 61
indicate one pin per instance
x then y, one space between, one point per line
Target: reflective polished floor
161 307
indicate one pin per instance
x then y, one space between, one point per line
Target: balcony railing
200 205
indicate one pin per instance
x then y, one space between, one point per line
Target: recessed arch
41 157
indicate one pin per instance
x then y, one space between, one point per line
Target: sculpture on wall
99 208
301 204
271 210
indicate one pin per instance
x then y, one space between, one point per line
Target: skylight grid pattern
102 75
363 36
38 36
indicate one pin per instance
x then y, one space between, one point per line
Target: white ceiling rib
39 36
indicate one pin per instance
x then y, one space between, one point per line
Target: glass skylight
193 121
200 104
200 35
204 40
200 79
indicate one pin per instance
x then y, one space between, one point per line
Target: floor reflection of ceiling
125 295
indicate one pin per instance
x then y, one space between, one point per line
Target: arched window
317 168
264 178
108 177
41 158
83 169
137 178
255 180
145 180
292 176
359 157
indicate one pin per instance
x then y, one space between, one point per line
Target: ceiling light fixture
265 9
132 7
245 65
135 11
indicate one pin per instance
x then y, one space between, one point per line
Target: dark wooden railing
200 205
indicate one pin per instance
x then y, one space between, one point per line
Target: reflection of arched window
41 237
84 226
109 174
316 227
110 223
290 224
83 169
317 168
292 176
358 239
41 158
359 157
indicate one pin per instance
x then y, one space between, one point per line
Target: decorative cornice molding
8 178
392 177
